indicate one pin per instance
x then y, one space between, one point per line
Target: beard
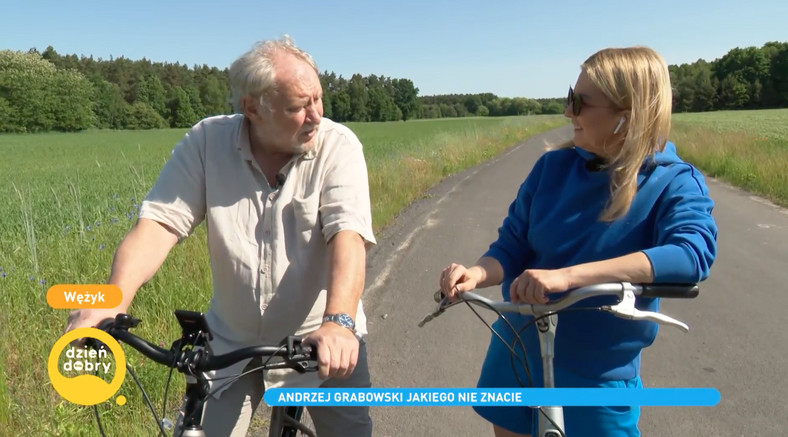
296 145
299 146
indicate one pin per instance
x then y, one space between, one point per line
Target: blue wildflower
87 228
43 281
111 209
114 220
101 247
30 278
3 275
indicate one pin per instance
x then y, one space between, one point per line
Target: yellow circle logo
86 389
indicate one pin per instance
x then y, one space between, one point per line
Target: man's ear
251 107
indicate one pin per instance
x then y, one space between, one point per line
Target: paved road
737 340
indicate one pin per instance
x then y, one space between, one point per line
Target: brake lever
443 303
301 356
626 309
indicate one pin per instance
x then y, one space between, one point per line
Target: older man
285 196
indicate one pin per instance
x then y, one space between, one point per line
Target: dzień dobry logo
86 388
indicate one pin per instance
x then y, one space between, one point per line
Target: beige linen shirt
268 245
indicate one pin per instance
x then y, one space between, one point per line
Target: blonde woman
618 205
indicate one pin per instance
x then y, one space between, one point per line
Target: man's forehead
295 77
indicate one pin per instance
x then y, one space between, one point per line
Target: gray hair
253 75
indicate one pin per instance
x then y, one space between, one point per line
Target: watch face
342 319
346 320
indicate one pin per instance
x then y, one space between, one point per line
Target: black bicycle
190 356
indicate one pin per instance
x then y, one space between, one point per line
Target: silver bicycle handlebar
625 291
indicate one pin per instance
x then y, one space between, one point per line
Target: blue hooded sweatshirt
554 223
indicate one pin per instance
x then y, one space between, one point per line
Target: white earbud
618 126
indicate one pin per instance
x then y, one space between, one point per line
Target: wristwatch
341 319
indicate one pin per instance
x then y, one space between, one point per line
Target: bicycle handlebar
295 355
625 291
669 291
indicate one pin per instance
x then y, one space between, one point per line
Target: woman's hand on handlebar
456 278
533 286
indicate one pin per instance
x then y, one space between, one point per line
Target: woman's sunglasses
577 103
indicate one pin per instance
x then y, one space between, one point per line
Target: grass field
67 201
748 149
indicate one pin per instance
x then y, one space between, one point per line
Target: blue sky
529 48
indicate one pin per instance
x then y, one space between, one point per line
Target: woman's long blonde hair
634 79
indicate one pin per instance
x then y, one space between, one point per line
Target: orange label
78 296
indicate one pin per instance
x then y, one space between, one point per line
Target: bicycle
190 356
550 421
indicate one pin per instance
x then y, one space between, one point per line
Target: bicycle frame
550 420
286 422
552 423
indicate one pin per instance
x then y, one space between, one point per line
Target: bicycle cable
98 421
232 379
167 387
512 353
147 401
519 338
552 422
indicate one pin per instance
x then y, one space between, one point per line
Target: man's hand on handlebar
337 350
88 318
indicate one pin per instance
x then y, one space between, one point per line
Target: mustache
313 127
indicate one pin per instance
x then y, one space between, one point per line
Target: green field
748 149
68 199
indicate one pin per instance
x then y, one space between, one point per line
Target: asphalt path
737 341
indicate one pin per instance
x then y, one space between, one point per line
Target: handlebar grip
670 291
94 343
106 324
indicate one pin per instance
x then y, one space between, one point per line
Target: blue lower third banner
530 397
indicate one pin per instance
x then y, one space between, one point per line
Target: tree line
745 78
43 91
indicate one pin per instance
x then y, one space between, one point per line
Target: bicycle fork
550 419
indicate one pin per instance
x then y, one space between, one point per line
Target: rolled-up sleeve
685 232
177 199
344 197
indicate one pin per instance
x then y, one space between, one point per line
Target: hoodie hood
667 156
